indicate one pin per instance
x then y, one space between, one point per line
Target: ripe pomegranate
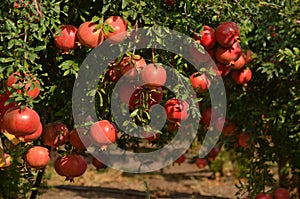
37 157
79 142
55 134
201 162
89 36
71 166
150 136
200 82
263 196
103 132
66 38
222 69
281 193
228 55
181 159
21 122
207 39
98 164
169 2
243 139
227 33
153 76
208 115
242 76
176 109
227 129
119 26
130 66
33 136
145 96
31 86
240 62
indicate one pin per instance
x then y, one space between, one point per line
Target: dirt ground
178 181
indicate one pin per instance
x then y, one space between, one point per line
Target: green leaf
124 3
95 19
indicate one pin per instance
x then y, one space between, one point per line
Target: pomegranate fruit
153 76
227 129
263 196
79 141
31 86
173 126
201 162
222 69
243 139
212 155
33 136
169 2
181 159
71 166
98 164
130 66
37 157
21 122
66 38
119 26
281 193
89 36
103 132
176 109
227 33
207 39
55 134
113 74
200 82
208 115
242 77
240 62
228 55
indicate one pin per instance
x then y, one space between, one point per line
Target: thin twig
37 7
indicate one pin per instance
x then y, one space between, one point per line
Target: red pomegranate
169 2
103 132
31 86
98 164
21 122
201 162
130 66
89 36
243 139
227 33
208 115
119 27
207 39
242 76
55 134
228 55
33 136
240 62
200 82
263 196
227 129
37 157
173 126
176 109
281 193
144 96
113 74
79 141
222 69
153 76
71 166
66 38
212 155
181 159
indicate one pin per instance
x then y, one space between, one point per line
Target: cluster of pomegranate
223 46
90 35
